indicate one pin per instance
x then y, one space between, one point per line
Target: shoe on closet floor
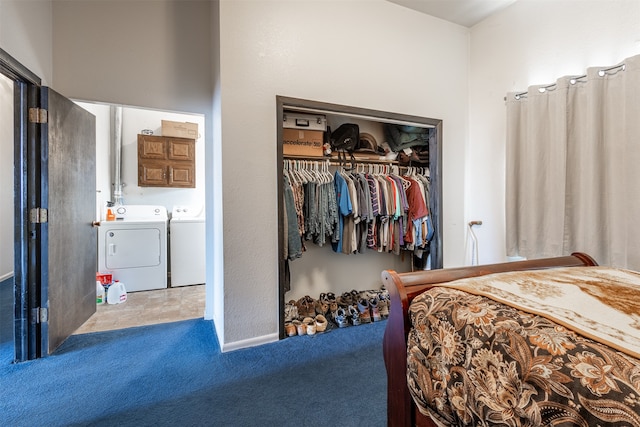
306 307
290 311
345 300
301 328
375 311
341 318
290 329
321 323
354 316
383 306
322 307
310 324
363 308
330 300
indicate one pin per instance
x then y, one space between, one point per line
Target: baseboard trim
251 342
7 276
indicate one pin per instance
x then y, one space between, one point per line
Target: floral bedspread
473 361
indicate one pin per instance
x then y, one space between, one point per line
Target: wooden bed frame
403 288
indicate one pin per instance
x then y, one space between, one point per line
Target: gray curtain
573 167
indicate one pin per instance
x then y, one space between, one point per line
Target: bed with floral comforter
546 348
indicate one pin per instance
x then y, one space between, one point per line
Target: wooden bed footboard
403 288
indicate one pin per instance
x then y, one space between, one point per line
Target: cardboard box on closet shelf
303 134
294 120
180 129
298 142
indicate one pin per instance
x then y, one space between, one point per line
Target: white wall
372 54
154 54
6 178
26 34
530 42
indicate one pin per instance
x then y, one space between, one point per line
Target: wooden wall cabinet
166 161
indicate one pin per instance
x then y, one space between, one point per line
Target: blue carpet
6 321
174 374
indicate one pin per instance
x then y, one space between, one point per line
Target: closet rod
332 162
335 161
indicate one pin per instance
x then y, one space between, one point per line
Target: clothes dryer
187 245
133 247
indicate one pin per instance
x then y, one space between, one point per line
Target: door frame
26 237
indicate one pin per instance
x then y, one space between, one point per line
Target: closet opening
320 268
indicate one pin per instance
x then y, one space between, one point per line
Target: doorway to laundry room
149 202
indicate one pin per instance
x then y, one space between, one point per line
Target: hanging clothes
293 239
367 208
345 208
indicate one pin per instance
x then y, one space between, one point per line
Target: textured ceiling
463 12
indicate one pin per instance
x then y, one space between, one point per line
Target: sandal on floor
306 307
333 306
363 308
322 307
345 300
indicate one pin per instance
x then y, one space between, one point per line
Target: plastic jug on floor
117 293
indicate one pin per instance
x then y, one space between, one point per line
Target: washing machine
187 245
133 247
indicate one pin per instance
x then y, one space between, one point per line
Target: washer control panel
140 212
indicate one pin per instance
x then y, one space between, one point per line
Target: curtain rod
574 80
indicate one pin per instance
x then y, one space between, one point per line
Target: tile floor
148 308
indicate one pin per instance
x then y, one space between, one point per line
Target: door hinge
39 315
37 115
38 215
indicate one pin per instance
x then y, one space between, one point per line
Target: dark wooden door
68 247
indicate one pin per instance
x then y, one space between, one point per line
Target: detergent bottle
100 294
110 216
